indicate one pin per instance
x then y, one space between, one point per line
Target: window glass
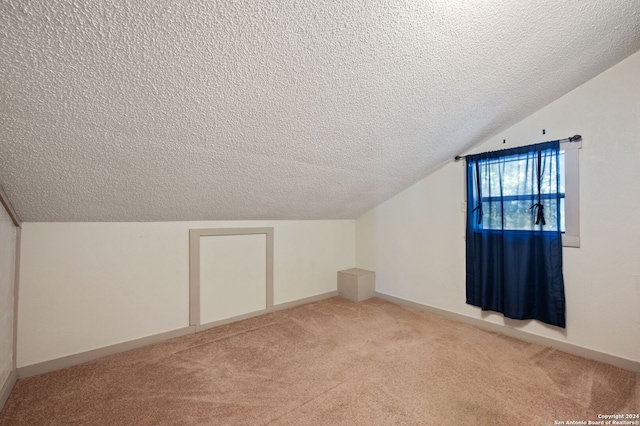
514 192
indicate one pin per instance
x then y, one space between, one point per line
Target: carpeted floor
330 363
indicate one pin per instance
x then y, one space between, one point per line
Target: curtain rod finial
575 138
458 158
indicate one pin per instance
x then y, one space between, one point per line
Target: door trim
194 264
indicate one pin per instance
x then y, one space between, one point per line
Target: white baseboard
304 301
81 358
8 387
218 323
614 360
274 308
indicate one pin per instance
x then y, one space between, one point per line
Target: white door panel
233 276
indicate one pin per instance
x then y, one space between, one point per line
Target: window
514 206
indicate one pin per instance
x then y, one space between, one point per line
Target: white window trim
571 236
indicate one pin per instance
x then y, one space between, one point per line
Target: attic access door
230 274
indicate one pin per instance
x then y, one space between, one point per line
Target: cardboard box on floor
356 284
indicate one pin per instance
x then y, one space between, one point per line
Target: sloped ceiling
154 110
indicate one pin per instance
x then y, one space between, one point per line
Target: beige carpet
330 363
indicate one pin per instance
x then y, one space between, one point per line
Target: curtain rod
574 138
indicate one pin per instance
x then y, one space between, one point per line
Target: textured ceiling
140 110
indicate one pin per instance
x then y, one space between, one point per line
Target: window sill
570 240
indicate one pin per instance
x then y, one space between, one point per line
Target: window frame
571 234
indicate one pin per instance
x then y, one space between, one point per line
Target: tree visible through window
510 192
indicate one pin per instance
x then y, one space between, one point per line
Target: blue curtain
514 232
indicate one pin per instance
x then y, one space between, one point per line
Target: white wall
415 241
7 270
85 286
